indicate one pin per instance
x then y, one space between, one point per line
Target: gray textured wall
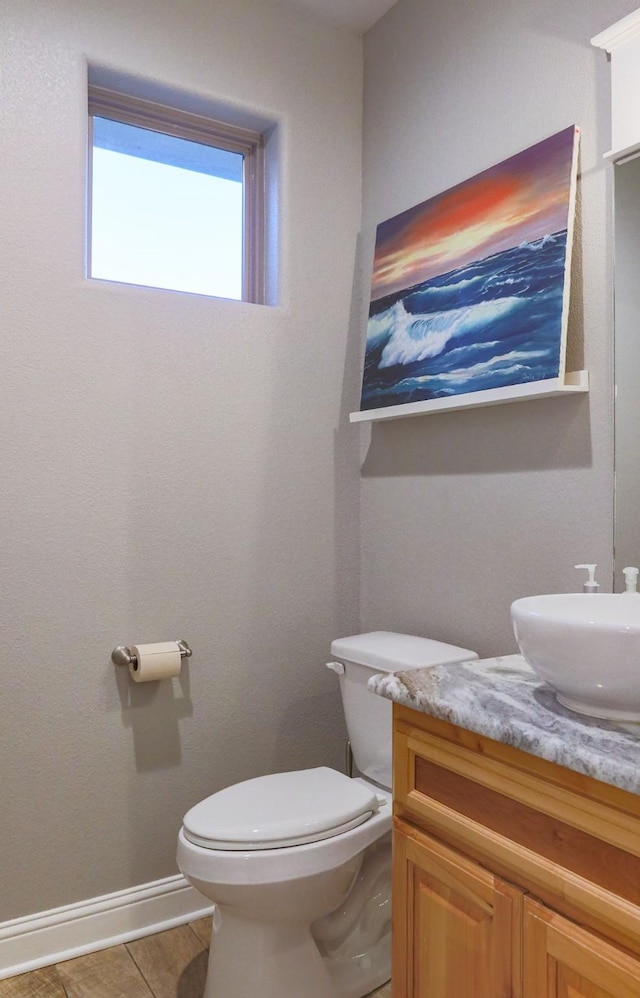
464 512
173 466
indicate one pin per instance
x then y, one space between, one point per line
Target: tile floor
171 964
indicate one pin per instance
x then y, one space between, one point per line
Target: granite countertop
503 699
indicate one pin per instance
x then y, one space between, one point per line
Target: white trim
574 381
62 933
619 33
622 42
620 156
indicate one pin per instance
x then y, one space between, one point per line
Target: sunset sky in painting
521 199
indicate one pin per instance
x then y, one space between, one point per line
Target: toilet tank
368 715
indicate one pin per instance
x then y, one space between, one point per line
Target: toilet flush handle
336 667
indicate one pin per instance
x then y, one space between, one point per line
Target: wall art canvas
470 288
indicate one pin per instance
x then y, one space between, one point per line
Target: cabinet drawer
554 832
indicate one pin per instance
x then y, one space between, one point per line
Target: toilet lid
284 809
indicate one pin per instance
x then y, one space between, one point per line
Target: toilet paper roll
158 661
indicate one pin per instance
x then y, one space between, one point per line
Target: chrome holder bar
123 655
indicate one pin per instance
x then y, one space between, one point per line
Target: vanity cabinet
513 877
458 932
563 960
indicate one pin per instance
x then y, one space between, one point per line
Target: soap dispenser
630 580
590 586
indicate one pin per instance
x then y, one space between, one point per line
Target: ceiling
355 15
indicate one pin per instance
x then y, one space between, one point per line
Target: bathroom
184 467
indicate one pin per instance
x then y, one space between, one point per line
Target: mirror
627 363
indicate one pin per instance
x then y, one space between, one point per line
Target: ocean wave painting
470 288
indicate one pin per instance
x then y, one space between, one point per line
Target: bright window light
176 199
166 212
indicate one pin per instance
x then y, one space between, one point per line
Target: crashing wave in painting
492 323
470 288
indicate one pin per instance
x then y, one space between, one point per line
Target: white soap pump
590 586
630 580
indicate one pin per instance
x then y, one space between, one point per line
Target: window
175 199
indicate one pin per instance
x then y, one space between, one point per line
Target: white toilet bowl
282 927
299 864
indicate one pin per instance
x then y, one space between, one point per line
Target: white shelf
572 383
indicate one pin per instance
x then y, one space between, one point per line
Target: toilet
298 864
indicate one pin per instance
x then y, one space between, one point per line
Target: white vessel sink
586 647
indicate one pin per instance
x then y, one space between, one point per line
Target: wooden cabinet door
456 927
562 960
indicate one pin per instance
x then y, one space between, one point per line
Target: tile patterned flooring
171 964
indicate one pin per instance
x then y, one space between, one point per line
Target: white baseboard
62 933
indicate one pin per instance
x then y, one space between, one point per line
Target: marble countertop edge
502 699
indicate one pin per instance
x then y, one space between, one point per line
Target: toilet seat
280 810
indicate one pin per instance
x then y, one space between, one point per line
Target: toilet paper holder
123 655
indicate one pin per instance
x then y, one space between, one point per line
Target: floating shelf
572 383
